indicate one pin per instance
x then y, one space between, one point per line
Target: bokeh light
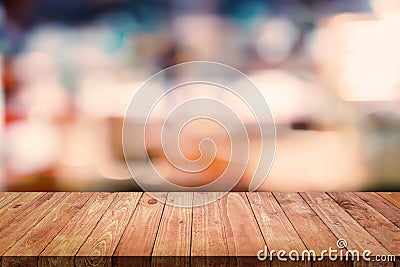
329 70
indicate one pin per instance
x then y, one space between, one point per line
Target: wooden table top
120 229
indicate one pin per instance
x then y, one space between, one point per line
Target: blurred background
330 71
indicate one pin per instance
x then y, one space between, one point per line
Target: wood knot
152 201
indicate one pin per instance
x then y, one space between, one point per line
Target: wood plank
62 249
236 226
56 261
383 206
101 243
25 261
71 237
172 246
242 231
315 235
143 226
209 244
18 205
372 264
375 223
342 224
311 229
11 232
36 239
7 197
392 197
276 228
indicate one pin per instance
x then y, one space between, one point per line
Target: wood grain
17 206
68 241
20 261
242 232
392 197
381 205
36 239
316 236
172 246
62 249
101 243
276 228
372 264
311 229
375 223
11 232
7 197
143 226
133 229
209 244
342 224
